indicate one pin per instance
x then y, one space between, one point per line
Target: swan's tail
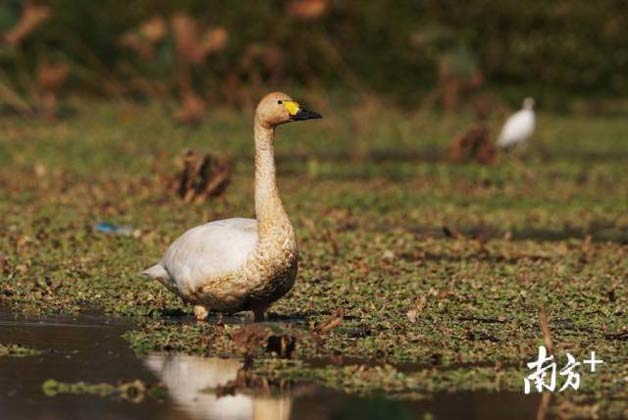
158 272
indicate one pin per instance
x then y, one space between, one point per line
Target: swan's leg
260 313
200 312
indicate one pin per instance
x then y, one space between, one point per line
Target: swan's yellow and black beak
298 113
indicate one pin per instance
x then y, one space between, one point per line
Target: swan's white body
206 251
519 127
239 264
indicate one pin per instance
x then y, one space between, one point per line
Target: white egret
519 127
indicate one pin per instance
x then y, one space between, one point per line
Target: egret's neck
269 210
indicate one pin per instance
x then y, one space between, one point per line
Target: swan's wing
518 128
209 250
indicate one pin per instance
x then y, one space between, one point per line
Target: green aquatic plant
15 350
133 391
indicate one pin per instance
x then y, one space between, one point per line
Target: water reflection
90 349
187 378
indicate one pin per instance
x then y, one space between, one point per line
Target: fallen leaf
330 323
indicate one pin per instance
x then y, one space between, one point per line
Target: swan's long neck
269 210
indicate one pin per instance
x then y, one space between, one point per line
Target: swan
240 264
518 127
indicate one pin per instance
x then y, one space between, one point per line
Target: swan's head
278 108
528 103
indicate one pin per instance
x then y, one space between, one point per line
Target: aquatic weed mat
430 275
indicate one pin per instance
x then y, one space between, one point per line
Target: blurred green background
406 51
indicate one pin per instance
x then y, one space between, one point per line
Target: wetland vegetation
417 276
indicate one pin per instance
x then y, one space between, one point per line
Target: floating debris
113 229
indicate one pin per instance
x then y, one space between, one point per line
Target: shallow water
89 348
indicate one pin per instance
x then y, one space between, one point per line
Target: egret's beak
303 114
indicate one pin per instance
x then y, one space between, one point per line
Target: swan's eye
280 102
